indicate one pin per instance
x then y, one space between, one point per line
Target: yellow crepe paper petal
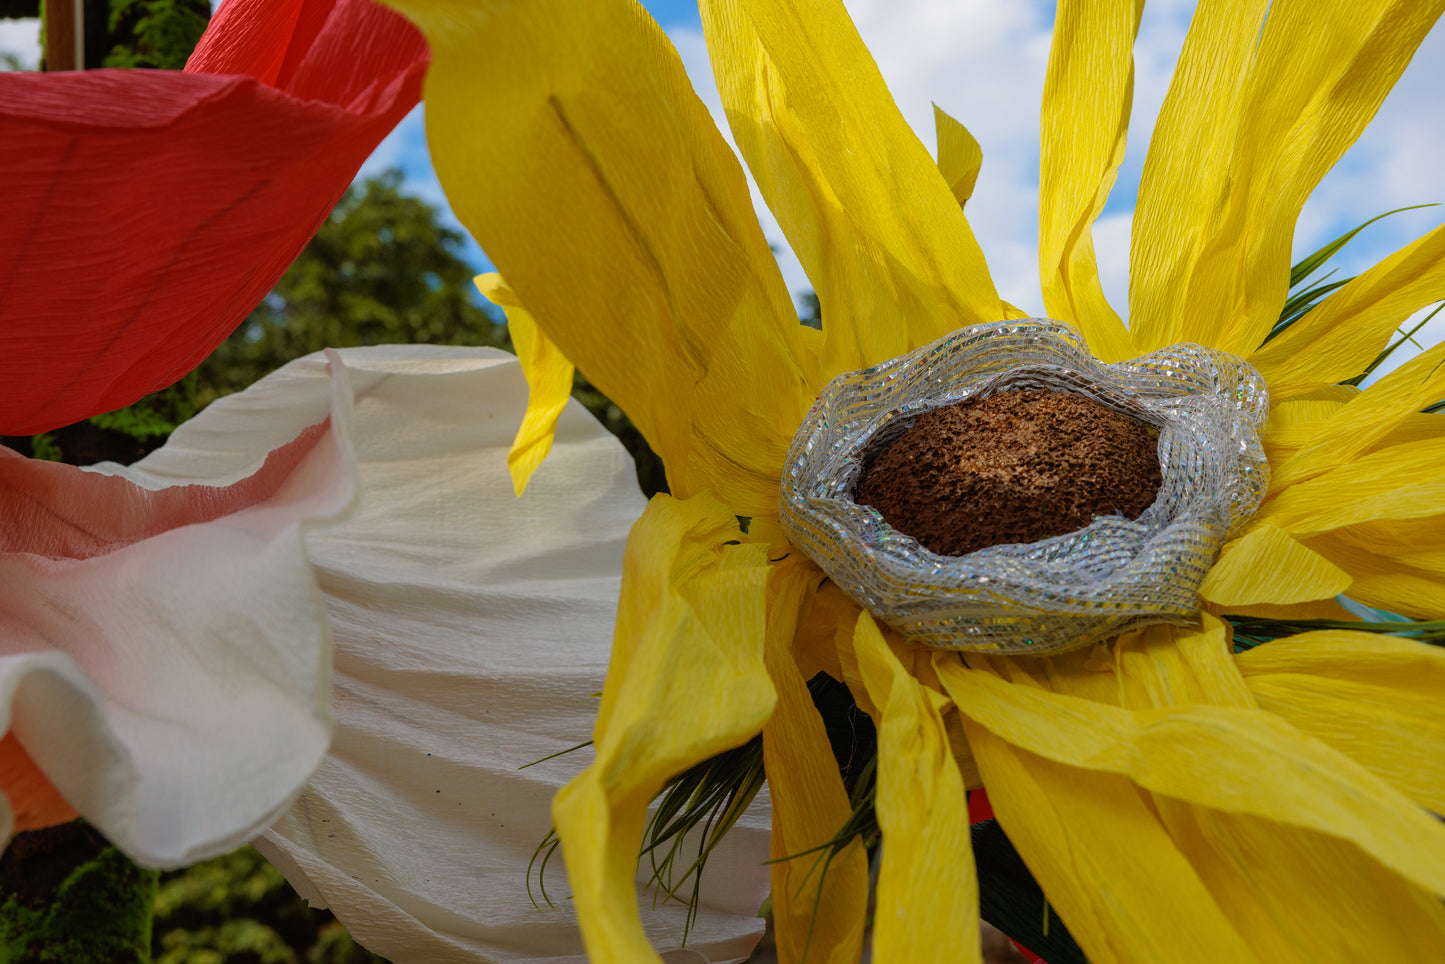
1216 212
1013 312
1367 419
1386 580
853 674
1340 337
829 618
1332 393
1294 413
1293 425
1088 91
1089 672
1318 609
1124 890
1186 171
1419 427
1374 698
1265 565
1142 668
918 662
959 155
1307 103
1419 541
927 886
686 681
874 224
549 381
1401 482
1169 665
1294 895
810 804
1288 893
572 147
1223 758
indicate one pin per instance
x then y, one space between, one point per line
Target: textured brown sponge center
1015 467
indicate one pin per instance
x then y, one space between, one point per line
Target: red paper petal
251 37
979 809
1030 955
146 213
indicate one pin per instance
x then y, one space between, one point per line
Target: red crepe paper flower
146 213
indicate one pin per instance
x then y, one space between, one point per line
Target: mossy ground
100 914
238 909
66 897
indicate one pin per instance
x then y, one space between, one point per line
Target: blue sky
983 62
406 147
673 13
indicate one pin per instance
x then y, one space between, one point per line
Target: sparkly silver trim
1058 593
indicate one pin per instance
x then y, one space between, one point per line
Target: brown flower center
1015 467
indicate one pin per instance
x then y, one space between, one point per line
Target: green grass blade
1302 304
1010 899
1311 263
1407 336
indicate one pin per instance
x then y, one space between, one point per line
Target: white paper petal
164 656
471 632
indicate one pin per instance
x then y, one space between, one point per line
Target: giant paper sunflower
1176 801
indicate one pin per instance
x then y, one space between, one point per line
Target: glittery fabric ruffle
1054 594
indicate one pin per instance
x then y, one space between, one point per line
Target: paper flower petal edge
166 659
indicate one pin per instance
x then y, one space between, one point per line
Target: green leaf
1252 631
44 446
1302 304
1010 899
1407 336
137 421
1311 263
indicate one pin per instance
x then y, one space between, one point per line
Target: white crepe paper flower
164 656
470 632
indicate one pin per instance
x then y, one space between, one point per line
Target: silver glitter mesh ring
1059 593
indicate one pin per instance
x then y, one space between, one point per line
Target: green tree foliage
133 33
238 908
382 269
67 897
150 33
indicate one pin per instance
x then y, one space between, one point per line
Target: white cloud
983 62
693 51
21 38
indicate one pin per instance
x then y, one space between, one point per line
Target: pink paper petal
164 653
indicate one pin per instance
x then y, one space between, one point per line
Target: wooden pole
64 34
77 17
